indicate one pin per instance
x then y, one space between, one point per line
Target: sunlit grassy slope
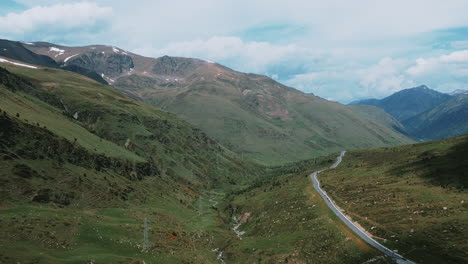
412 198
254 115
288 222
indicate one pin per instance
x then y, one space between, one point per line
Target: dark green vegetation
250 114
409 102
81 166
448 119
414 196
286 221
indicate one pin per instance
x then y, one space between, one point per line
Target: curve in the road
398 258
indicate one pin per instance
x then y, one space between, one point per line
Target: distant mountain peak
422 87
459 91
417 88
408 102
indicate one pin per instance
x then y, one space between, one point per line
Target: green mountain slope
448 119
82 166
254 115
284 220
410 197
250 114
378 115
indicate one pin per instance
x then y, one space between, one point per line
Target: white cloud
59 16
440 64
444 73
457 56
246 56
349 82
384 78
338 53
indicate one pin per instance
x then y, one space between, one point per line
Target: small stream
237 224
220 255
235 228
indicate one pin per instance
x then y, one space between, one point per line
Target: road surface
398 258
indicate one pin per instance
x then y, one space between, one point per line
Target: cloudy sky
339 50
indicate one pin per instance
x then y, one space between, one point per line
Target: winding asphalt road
398 258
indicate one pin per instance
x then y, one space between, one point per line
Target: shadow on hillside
448 170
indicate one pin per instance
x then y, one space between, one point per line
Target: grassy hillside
286 221
378 115
252 114
411 197
82 166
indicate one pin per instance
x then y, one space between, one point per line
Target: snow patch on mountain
18 64
459 91
117 50
55 49
65 60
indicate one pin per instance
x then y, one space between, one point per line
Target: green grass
72 201
52 235
290 223
413 196
35 111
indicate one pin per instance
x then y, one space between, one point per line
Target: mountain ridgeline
17 51
423 113
250 114
448 119
409 102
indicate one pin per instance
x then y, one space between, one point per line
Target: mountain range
425 114
409 102
250 114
